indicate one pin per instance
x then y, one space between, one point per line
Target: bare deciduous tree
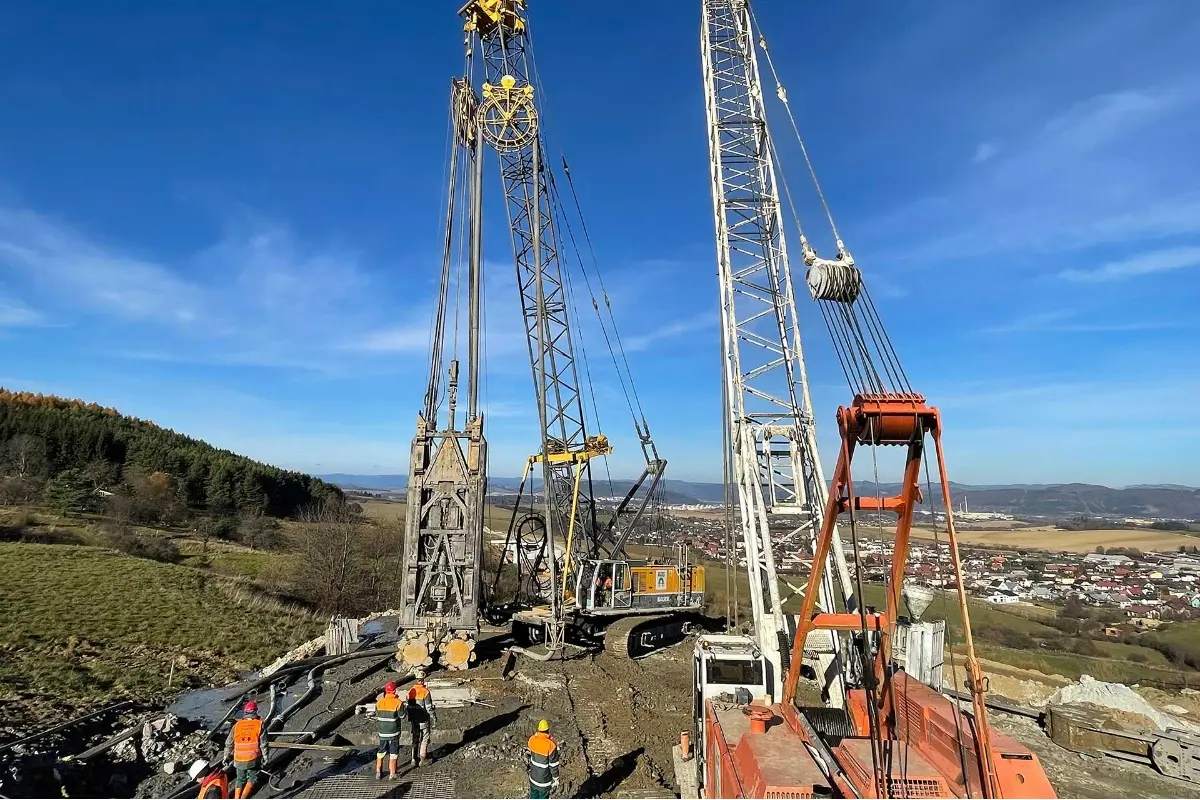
258 531
344 564
24 456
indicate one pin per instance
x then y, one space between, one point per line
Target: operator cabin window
748 673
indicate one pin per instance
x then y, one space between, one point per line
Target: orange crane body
775 758
921 743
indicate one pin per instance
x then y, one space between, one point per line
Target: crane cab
725 664
620 586
728 670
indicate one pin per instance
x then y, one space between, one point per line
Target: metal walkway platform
358 785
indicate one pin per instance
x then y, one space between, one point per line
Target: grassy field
388 511
89 625
1072 666
1185 635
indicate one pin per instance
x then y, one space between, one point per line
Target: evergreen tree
43 436
68 492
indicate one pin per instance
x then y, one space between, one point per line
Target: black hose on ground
54 729
316 664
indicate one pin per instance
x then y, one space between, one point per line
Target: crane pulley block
889 418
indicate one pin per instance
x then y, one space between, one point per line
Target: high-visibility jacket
543 760
387 714
246 736
420 706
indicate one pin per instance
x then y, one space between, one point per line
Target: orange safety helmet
390 687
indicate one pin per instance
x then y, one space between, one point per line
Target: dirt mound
1024 687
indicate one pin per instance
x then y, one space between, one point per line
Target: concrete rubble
550 683
1117 697
306 650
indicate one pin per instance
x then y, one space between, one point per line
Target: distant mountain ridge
1051 500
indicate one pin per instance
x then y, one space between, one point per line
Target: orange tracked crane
882 733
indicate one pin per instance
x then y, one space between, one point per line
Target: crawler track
638 637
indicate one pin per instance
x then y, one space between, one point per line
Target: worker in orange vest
387 714
246 745
542 760
422 716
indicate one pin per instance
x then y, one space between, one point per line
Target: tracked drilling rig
574 575
879 733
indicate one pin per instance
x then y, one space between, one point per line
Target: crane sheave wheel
507 116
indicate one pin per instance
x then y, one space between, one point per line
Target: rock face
1117 697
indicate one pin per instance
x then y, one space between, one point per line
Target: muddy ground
615 722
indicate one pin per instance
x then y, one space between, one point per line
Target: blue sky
225 218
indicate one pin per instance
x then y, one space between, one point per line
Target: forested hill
64 452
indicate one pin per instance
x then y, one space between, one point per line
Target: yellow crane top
484 16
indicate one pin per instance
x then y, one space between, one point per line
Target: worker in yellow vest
246 745
422 716
387 715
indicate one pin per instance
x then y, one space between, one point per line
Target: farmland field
1048 537
494 517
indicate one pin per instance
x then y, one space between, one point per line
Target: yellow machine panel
665 579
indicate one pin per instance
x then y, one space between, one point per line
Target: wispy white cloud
411 338
1071 322
80 272
15 314
258 296
1092 173
509 409
670 330
1105 117
1165 260
1039 403
984 152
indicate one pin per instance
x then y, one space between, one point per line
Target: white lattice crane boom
772 435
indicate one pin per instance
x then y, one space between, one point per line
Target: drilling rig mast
590 582
510 124
443 536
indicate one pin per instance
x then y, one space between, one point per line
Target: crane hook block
833 280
